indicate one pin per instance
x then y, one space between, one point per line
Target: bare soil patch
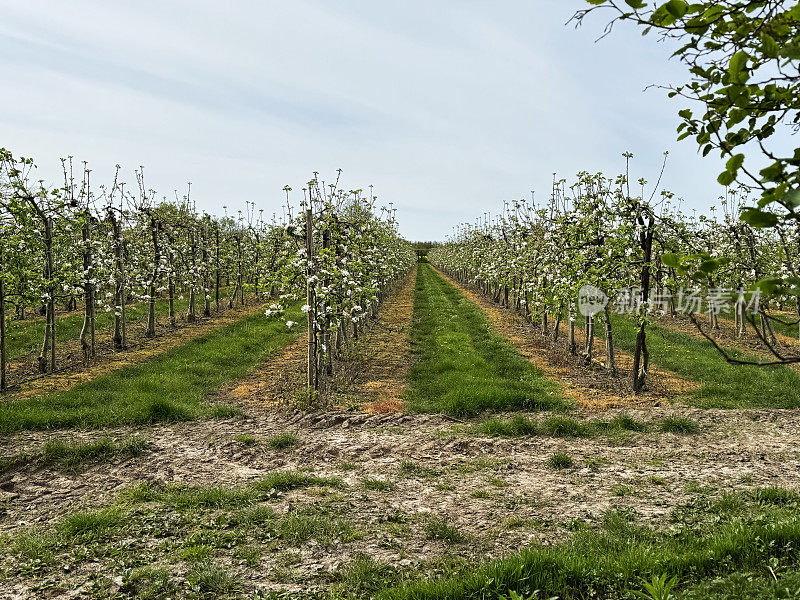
374 374
272 384
498 492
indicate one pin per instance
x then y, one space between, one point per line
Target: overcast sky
447 107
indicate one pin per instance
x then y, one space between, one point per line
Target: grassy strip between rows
168 387
72 455
463 368
745 545
567 427
723 385
25 337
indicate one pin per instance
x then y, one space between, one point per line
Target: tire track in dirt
590 389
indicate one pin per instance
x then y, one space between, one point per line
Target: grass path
171 386
723 385
25 337
683 367
463 367
588 388
71 376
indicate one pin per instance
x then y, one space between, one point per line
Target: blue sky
448 108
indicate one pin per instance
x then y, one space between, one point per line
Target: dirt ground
498 492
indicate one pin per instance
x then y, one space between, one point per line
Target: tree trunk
151 314
191 314
87 331
557 327
120 341
589 339
641 356
171 291
206 278
326 334
571 346
47 356
611 364
313 382
3 383
216 267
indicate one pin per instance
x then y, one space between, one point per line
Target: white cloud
449 108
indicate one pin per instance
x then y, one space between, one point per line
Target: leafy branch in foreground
743 58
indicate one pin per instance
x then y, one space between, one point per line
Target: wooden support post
312 354
2 333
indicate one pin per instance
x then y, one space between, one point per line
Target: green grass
168 387
246 439
723 385
72 455
299 527
560 460
379 485
516 426
721 551
211 581
411 469
284 481
566 427
679 425
196 497
86 526
438 528
283 441
555 426
462 367
25 337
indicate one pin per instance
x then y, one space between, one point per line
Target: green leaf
670 259
733 165
677 8
709 266
769 285
726 178
738 62
758 218
772 172
791 199
661 17
769 45
636 3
